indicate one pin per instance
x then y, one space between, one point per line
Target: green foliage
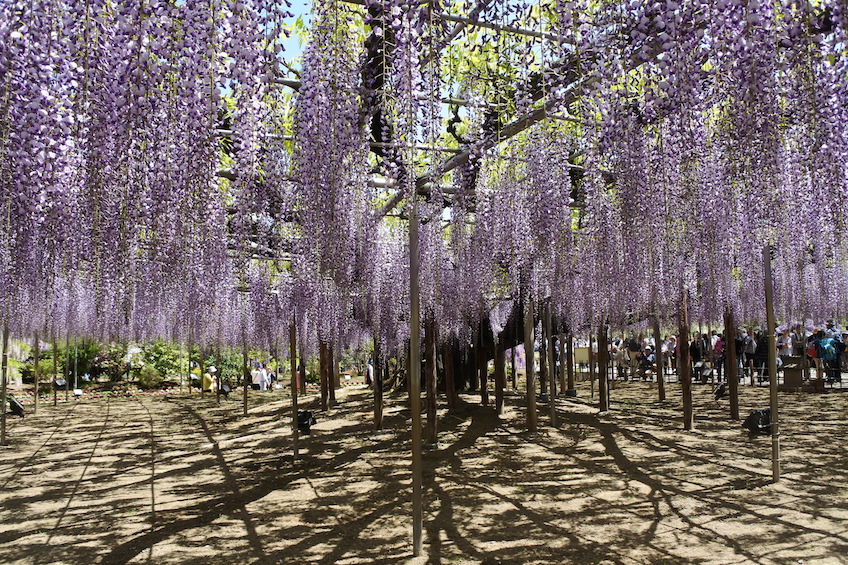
163 356
110 362
149 377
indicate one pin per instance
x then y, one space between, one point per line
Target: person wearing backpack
826 350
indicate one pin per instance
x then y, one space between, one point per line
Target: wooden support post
684 366
302 366
731 364
293 384
245 370
569 376
772 361
530 364
430 378
551 363
483 369
378 386
659 361
67 361
500 374
3 373
323 366
332 370
220 374
513 367
592 365
450 383
55 366
35 374
603 368
563 362
415 380
201 364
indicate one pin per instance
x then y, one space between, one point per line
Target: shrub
149 377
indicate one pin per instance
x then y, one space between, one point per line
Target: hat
211 369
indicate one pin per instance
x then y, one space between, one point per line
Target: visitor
264 381
369 373
254 377
209 379
799 341
718 355
634 348
750 348
761 355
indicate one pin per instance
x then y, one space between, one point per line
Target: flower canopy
167 169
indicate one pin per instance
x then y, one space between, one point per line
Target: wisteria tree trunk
684 366
3 372
569 359
592 364
551 362
55 365
731 366
563 385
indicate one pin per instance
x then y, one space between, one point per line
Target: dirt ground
178 479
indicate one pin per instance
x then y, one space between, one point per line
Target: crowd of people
823 348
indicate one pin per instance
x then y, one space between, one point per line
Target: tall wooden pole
3 373
563 386
731 365
500 374
323 369
603 366
772 360
529 363
569 355
55 365
658 359
551 362
592 364
293 367
35 373
220 374
332 370
513 367
245 370
450 386
684 367
483 369
430 377
378 385
415 380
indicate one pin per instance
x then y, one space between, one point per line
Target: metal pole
293 364
415 380
772 359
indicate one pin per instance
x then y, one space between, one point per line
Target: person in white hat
209 380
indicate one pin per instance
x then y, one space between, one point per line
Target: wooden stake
731 363
684 368
332 370
450 386
563 363
592 365
530 364
772 360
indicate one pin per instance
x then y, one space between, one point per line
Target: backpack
758 422
827 349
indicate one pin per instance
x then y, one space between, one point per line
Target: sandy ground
178 479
